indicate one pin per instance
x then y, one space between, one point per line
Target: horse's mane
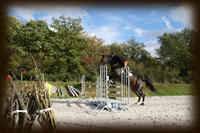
110 61
109 58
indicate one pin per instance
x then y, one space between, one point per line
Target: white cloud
167 22
151 46
180 29
135 18
47 12
128 26
138 32
156 33
66 11
184 14
24 13
159 9
108 33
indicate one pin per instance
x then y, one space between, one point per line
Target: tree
134 50
15 51
116 47
95 51
64 52
175 51
69 46
58 52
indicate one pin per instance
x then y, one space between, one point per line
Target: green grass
168 89
164 89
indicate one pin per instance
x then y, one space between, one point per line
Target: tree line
63 52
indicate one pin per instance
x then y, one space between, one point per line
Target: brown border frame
196 61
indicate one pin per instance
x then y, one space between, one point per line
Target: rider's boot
111 82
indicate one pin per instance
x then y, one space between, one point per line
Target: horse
136 84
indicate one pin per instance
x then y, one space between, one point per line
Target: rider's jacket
118 60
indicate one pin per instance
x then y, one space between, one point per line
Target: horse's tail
150 86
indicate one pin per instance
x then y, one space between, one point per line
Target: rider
118 60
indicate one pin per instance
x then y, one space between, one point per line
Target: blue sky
117 23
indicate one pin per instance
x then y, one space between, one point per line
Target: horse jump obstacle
83 90
83 87
102 89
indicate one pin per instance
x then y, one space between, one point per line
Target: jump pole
83 90
103 89
125 88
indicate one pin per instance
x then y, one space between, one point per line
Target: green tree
34 37
175 51
69 45
134 50
117 48
15 51
94 52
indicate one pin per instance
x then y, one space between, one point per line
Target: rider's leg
125 64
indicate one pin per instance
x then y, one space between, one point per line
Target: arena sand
172 112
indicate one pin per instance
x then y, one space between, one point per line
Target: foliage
63 52
175 51
134 50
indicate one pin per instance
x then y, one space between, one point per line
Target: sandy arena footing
174 112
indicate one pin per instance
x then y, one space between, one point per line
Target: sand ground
158 112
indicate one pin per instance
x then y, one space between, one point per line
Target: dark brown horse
136 84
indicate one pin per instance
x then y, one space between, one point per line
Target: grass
167 89
164 89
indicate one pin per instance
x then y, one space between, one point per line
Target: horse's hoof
136 103
142 104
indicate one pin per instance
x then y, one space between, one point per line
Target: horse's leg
143 96
139 97
141 93
134 87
